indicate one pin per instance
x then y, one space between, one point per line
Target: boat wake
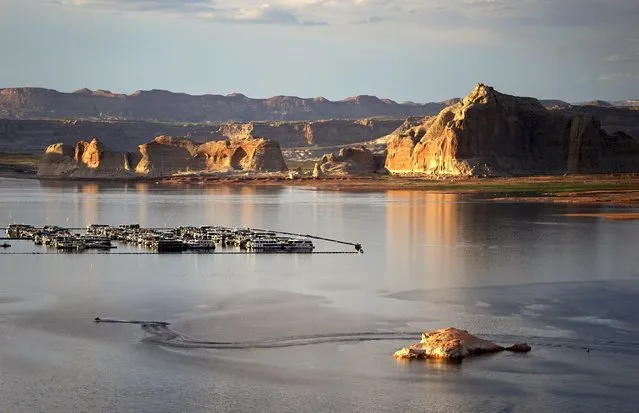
159 333
162 335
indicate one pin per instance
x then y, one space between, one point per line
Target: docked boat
96 229
20 231
265 245
95 242
199 244
168 245
66 242
299 245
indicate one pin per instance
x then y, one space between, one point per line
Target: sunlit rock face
164 156
453 344
249 154
85 160
491 133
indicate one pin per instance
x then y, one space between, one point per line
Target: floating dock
203 239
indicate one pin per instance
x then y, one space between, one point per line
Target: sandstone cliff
164 156
86 160
348 161
250 154
490 133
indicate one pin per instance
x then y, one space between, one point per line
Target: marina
202 239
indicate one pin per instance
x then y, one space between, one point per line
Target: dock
190 239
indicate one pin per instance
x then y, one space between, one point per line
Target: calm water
510 272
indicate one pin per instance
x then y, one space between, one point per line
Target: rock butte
164 156
491 134
453 344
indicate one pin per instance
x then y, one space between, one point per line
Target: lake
316 332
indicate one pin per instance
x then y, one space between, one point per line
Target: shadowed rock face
164 156
348 161
453 344
490 133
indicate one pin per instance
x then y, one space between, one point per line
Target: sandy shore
617 189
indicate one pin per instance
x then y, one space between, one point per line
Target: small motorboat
5 245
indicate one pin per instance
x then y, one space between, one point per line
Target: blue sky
418 50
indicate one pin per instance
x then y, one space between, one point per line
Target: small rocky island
453 344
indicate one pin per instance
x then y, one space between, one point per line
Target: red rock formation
86 160
255 154
57 160
166 156
490 133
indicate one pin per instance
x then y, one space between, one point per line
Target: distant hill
165 106
554 103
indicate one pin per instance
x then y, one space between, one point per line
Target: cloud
495 15
370 20
280 12
628 58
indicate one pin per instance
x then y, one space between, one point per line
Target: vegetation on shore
19 163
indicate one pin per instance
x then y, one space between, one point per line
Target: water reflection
427 365
90 203
422 231
142 192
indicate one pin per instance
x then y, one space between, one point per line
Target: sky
405 50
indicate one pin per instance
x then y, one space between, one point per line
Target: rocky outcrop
453 344
166 156
490 133
86 160
348 161
57 160
251 154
